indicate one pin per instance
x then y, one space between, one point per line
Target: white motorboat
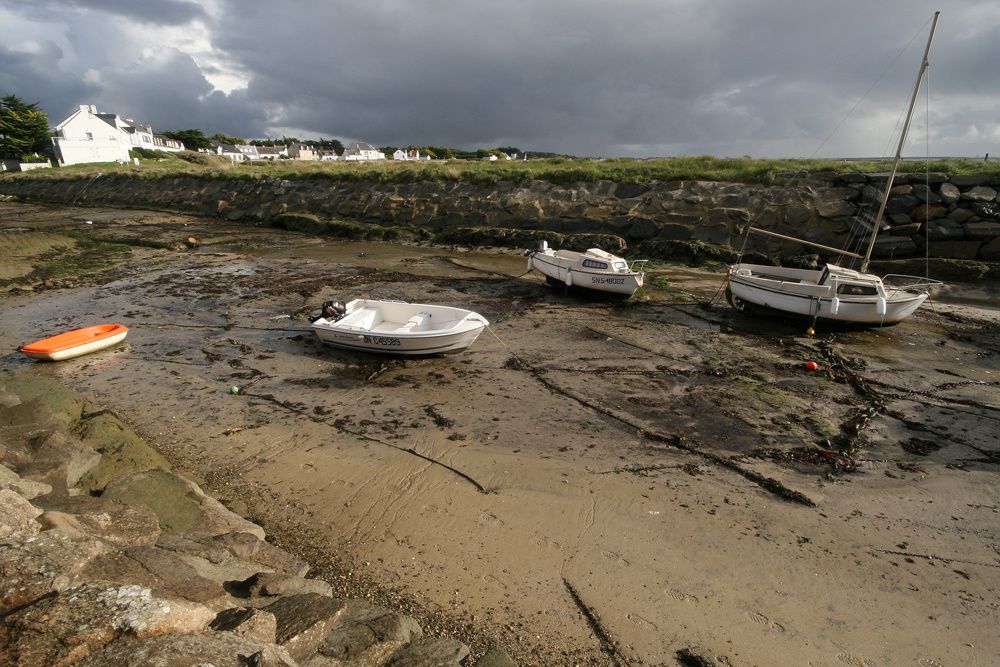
396 327
595 269
836 293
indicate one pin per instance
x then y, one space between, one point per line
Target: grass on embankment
560 171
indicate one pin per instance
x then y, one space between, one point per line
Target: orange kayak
75 343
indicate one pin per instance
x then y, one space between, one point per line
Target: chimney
93 108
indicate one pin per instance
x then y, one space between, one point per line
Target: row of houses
356 151
89 136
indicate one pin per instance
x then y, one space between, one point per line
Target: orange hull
75 343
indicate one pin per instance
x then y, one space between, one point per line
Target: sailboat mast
899 149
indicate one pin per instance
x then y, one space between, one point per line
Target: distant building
272 152
412 154
360 150
231 151
326 155
249 152
89 136
302 152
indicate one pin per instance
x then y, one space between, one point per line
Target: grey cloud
35 77
640 77
170 92
160 12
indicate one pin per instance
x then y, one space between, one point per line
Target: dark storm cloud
161 12
589 78
171 93
35 78
637 77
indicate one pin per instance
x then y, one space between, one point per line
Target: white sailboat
834 292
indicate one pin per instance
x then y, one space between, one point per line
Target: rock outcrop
138 566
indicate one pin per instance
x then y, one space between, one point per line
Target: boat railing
901 282
632 264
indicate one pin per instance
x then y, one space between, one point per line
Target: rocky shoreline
690 220
107 557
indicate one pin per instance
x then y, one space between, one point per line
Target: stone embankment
956 218
107 557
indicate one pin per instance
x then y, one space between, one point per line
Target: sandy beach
591 482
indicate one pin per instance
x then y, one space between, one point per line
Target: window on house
90 136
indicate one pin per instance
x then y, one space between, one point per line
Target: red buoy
812 366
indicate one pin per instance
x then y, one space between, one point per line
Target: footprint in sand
545 543
493 580
487 519
761 619
854 661
929 662
681 595
615 558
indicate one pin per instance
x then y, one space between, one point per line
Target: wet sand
590 483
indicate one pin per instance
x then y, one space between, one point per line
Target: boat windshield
855 289
619 266
594 264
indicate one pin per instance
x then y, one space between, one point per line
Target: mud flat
590 483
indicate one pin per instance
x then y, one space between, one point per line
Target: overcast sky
767 78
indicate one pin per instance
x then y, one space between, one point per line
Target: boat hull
401 328
397 344
624 284
76 343
809 303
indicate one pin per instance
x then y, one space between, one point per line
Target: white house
410 155
233 152
88 136
360 150
272 152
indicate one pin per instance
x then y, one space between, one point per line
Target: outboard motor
331 311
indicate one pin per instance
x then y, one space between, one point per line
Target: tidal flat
591 482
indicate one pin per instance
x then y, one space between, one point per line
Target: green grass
558 170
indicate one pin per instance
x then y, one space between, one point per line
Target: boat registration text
381 340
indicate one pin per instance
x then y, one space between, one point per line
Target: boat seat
419 322
365 318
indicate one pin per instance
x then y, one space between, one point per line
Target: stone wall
960 216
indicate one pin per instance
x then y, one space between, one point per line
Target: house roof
226 148
358 146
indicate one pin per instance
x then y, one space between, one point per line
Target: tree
192 139
226 139
24 128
